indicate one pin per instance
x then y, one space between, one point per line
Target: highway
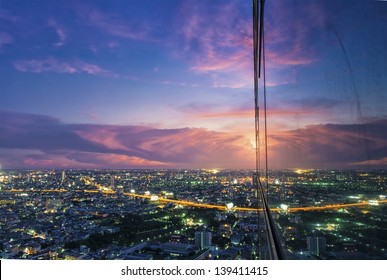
224 207
107 191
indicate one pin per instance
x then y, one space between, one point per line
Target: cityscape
193 130
149 214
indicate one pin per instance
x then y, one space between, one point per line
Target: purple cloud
331 145
51 64
30 141
59 31
5 39
218 41
80 145
111 23
7 16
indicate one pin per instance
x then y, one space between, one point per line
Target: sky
169 84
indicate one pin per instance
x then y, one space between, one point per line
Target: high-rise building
316 245
63 175
112 182
203 239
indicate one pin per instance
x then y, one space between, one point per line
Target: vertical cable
274 246
256 118
261 13
265 110
256 75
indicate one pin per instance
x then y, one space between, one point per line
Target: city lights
229 205
181 208
284 207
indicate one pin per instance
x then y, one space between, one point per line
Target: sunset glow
169 84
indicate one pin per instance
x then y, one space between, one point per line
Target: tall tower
63 175
316 245
112 182
203 239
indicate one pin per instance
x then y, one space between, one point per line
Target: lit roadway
223 207
107 191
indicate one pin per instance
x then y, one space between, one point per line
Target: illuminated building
203 239
112 182
63 175
316 245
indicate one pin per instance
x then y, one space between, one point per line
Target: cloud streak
7 16
331 146
80 145
51 64
32 141
112 24
5 39
219 41
59 31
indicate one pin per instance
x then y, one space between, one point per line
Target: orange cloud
124 160
110 146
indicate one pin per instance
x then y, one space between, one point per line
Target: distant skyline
169 84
